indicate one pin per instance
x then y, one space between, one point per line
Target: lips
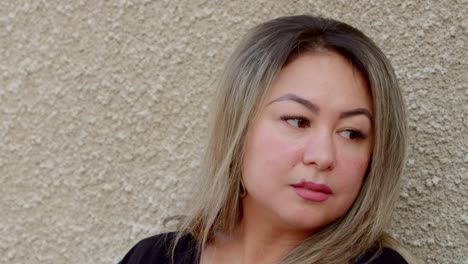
312 191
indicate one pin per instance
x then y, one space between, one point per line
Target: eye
352 134
297 121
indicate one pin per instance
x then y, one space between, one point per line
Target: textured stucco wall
104 105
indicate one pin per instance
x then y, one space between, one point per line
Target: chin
307 223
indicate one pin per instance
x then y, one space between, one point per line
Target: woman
304 158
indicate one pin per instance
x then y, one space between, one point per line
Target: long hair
245 82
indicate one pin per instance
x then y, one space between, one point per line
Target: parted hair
244 84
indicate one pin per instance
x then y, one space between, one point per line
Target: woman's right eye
297 121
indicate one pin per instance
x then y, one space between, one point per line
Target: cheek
267 153
352 168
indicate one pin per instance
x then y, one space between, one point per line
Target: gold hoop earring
243 190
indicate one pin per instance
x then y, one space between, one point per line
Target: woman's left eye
352 134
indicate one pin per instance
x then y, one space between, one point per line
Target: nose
320 151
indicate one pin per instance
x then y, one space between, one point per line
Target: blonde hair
246 80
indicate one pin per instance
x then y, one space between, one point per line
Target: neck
259 238
263 236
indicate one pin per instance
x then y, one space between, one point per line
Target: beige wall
104 105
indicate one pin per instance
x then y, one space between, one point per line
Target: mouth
311 191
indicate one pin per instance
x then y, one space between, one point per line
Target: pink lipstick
312 191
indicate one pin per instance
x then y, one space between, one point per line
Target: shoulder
158 249
385 256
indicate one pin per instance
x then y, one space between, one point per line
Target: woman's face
307 151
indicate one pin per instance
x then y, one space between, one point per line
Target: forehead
324 77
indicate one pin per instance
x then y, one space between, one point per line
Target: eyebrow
308 104
314 108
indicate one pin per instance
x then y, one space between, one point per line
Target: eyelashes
352 134
297 121
303 122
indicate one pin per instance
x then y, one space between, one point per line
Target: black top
157 250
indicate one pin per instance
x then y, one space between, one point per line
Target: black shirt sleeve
158 249
387 256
